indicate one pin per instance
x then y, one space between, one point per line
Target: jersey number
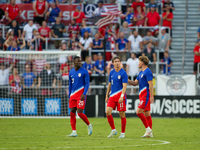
72 80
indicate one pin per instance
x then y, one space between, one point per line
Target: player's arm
70 85
151 91
123 92
108 92
86 86
134 83
197 53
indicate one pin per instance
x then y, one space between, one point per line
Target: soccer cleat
73 134
113 132
151 134
147 133
122 135
89 129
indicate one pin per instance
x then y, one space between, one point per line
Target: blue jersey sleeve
70 84
85 65
149 76
87 82
33 75
138 76
125 78
109 78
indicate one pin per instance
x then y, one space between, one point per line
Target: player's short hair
76 57
144 59
116 57
166 52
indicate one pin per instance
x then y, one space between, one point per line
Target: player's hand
121 100
152 99
106 99
82 97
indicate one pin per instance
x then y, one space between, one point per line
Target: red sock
84 118
143 119
111 122
73 120
149 120
123 124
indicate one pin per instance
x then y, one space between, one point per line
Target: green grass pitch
40 134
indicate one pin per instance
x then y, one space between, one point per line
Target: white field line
158 142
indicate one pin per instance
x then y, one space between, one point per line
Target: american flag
110 17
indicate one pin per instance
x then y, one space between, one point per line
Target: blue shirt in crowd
83 30
53 14
28 78
121 43
129 17
168 61
99 65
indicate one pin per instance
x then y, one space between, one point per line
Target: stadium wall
164 106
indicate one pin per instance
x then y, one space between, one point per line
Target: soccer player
118 80
79 81
145 80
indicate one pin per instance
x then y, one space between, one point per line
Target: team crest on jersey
79 74
119 77
141 75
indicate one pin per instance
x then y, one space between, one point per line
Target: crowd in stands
128 42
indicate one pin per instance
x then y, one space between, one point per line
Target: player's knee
73 110
147 114
122 114
108 113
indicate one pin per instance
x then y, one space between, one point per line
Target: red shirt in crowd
102 30
81 17
13 11
167 23
40 7
196 58
73 28
135 4
64 65
139 22
44 32
153 19
17 80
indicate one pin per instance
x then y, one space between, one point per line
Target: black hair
76 57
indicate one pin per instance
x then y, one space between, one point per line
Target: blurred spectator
28 32
136 3
168 3
30 63
167 19
45 32
169 63
129 16
63 58
28 79
122 46
149 39
15 82
12 12
4 78
47 78
132 68
84 28
198 34
152 2
196 57
1 42
117 26
16 29
102 32
9 43
64 1
53 12
152 18
96 45
85 44
73 27
163 40
139 17
150 53
40 8
18 1
66 64
125 29
73 42
3 1
100 9
57 31
135 43
2 13
63 80
10 35
39 64
37 41
14 46
27 1
78 15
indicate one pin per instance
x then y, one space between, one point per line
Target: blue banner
6 106
52 106
29 106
